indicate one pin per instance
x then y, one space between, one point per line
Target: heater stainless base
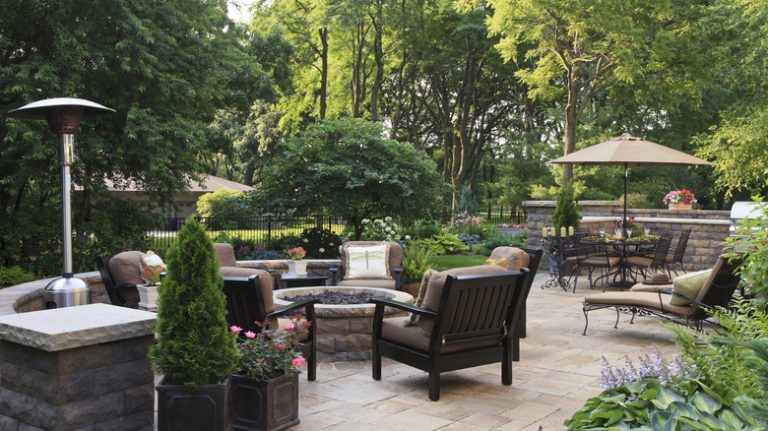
67 291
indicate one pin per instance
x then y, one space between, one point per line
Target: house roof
210 184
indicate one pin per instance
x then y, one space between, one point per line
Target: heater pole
66 146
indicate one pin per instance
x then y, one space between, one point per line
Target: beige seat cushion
689 285
437 281
225 254
125 268
381 283
394 329
609 261
512 258
649 300
639 260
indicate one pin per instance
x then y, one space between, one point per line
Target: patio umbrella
629 150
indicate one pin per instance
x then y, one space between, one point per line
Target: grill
739 210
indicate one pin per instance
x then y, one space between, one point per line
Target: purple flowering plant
652 365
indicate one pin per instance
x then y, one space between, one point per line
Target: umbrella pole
624 222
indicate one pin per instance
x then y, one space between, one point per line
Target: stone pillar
73 368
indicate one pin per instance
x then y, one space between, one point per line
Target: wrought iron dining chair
641 264
674 259
598 258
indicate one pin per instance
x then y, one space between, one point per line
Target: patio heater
63 115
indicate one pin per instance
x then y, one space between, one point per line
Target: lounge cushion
512 258
367 262
225 254
649 300
437 281
125 268
689 285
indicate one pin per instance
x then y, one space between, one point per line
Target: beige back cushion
512 258
437 281
225 254
266 283
125 268
689 285
395 254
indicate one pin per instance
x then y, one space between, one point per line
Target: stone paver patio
559 370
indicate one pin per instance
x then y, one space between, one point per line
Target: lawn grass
456 260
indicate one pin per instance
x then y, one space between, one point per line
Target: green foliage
566 213
467 202
422 228
749 244
415 261
13 275
347 165
193 344
443 243
320 243
222 203
466 223
647 404
497 239
380 230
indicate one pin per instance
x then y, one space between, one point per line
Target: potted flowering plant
151 268
682 199
265 386
296 265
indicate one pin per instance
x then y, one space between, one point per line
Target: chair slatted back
476 307
245 304
719 288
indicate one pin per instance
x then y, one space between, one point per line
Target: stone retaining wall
708 228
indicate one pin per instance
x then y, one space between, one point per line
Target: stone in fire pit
343 330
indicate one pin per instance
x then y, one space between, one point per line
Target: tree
347 167
566 213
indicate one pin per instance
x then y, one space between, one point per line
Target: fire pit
343 330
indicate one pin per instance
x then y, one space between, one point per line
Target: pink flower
280 346
298 361
290 326
250 334
235 329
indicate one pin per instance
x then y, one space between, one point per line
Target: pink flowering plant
682 196
269 354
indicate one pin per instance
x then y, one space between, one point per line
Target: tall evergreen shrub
194 346
566 213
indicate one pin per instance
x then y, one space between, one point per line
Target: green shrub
380 230
11 276
497 239
194 346
468 224
443 243
566 212
320 243
415 262
422 229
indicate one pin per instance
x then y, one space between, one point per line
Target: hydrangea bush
320 243
380 230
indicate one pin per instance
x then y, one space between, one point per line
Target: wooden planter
205 408
680 206
259 405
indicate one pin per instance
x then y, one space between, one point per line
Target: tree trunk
378 54
570 123
323 32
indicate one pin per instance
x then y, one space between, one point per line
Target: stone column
73 368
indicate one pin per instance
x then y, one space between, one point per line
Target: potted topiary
194 351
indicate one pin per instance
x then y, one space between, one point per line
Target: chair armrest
397 272
402 306
334 276
293 307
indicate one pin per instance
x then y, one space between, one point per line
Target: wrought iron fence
503 215
265 229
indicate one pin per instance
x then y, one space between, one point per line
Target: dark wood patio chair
249 298
716 292
471 326
120 274
520 327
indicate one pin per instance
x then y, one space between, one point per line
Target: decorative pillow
689 286
367 262
413 318
512 258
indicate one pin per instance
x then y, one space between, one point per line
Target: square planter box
206 408
259 405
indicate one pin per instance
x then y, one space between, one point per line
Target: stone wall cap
70 327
